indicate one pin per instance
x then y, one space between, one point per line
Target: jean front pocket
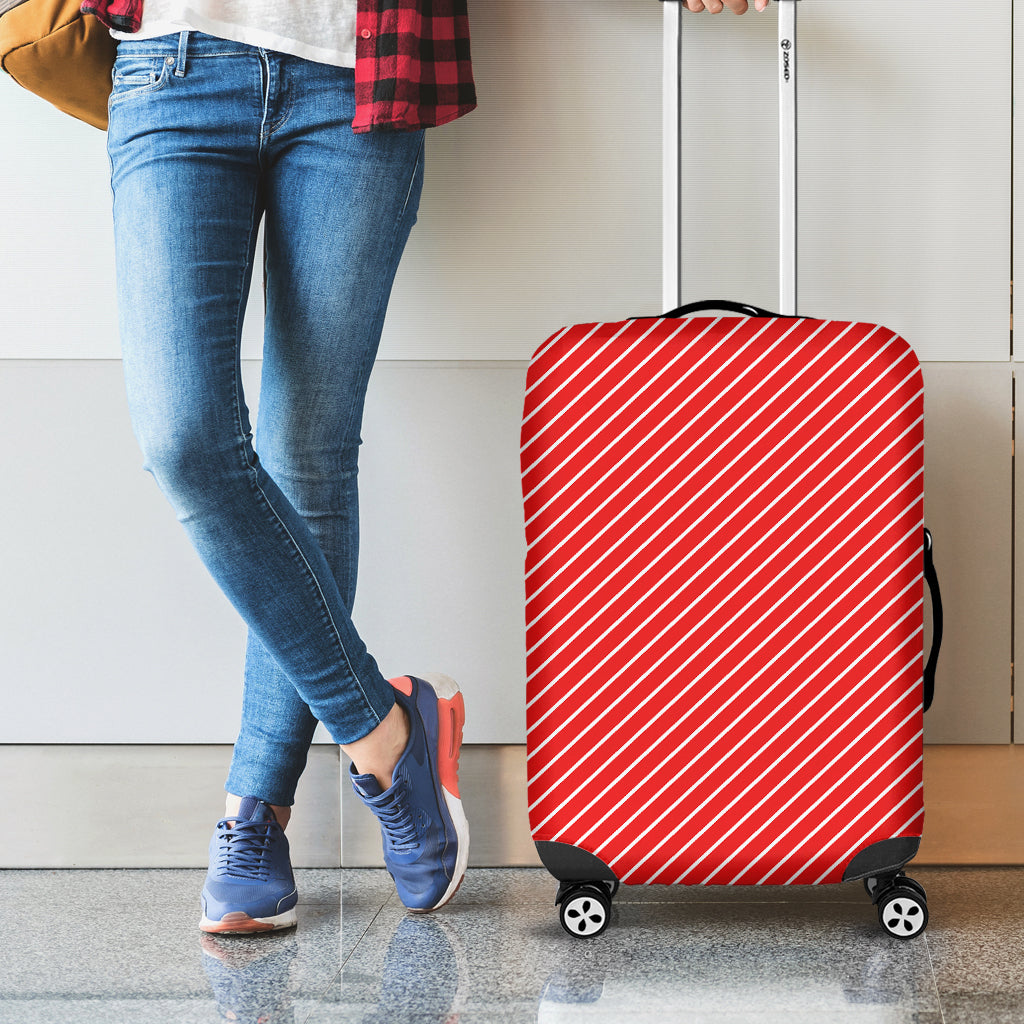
133 74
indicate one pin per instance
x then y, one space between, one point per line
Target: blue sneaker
426 836
250 886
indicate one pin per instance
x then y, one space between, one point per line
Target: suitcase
724 601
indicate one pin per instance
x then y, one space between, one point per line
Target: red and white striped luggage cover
724 581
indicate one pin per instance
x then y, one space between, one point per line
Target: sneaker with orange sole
423 825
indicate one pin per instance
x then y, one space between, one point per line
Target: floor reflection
498 955
424 972
771 978
251 976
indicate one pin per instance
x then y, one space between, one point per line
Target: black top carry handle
932 579
728 305
732 307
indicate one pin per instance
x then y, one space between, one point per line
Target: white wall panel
97 794
968 507
904 167
540 208
111 630
442 543
544 205
57 263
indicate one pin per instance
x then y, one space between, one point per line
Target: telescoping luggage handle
671 107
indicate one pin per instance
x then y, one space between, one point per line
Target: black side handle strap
933 585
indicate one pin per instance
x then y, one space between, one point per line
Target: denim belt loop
179 69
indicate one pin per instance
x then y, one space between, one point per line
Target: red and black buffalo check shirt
413 68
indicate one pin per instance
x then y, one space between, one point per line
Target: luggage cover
724 583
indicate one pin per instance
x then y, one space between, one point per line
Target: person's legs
192 147
339 209
189 181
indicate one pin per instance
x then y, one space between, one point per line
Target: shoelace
244 849
397 822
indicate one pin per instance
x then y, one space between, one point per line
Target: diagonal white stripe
651 406
550 343
593 414
811 624
850 746
693 526
824 458
595 721
916 740
881 743
900 832
839 784
579 553
567 720
581 784
737 772
539 719
666 629
573 353
568 668
641 470
862 843
720 553
575 557
569 353
781 784
723 471
765 538
702 411
750 682
591 410
837 732
605 397
868 731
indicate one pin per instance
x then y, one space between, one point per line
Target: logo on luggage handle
786 45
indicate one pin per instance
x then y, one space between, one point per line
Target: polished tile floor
122 946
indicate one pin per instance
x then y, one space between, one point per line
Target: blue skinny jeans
206 137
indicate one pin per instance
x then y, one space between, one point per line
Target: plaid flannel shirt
413 67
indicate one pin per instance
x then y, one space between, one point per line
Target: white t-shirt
320 30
